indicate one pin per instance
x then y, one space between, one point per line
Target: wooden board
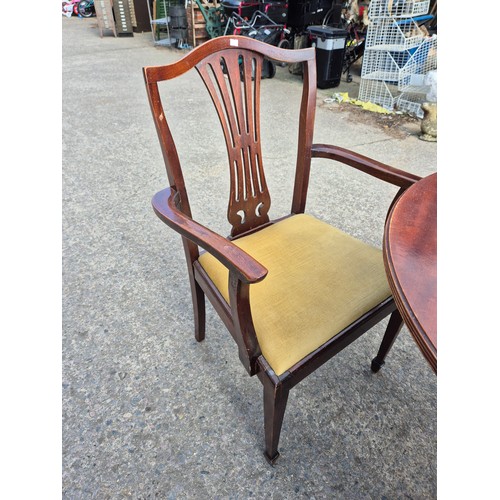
104 15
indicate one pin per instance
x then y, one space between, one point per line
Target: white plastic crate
397 8
390 66
397 56
423 60
387 96
377 92
410 103
393 35
406 69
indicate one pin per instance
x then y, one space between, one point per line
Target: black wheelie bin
330 46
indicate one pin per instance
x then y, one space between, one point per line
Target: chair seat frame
171 205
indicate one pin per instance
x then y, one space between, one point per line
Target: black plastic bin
302 13
330 46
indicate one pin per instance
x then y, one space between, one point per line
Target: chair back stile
169 151
172 165
306 129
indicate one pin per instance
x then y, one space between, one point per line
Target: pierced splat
236 96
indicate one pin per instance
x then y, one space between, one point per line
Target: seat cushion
320 281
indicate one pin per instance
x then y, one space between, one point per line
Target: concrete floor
147 411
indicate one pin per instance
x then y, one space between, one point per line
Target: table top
410 258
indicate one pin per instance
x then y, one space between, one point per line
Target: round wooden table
410 258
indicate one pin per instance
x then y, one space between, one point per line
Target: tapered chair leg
392 331
199 311
275 399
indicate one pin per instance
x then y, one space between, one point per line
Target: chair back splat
233 80
231 71
293 291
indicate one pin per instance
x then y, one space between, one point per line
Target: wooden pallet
197 33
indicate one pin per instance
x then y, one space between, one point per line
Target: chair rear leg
275 399
392 331
199 310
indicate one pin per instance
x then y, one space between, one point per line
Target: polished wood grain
410 256
230 67
233 81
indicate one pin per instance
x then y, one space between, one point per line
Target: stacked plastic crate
398 55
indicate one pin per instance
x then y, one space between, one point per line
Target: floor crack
372 142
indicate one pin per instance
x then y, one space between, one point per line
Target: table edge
411 321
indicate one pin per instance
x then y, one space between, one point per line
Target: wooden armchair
292 292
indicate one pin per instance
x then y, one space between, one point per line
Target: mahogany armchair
256 278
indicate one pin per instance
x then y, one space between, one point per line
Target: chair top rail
155 74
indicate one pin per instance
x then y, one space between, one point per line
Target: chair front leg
275 399
392 331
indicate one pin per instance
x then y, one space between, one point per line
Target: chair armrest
375 168
233 257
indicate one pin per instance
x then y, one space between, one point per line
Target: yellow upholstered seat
320 280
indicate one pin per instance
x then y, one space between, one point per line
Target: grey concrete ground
147 411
